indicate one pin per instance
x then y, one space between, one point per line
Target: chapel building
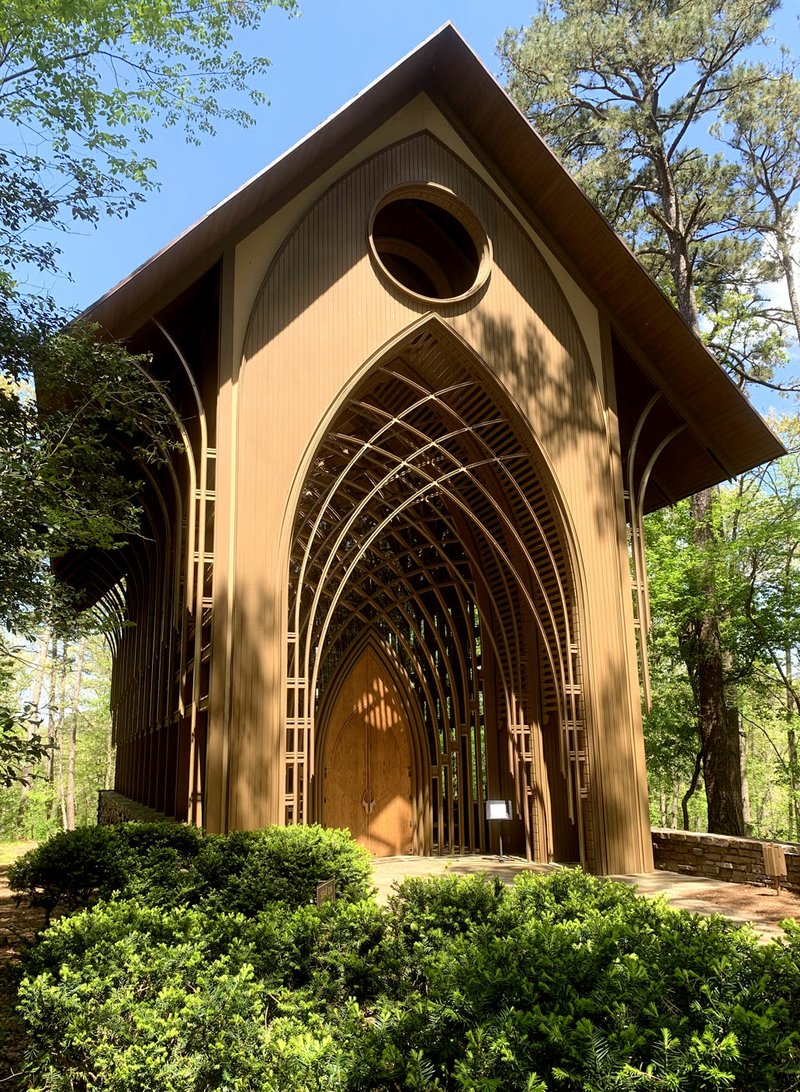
423 396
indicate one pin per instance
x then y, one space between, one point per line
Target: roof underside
724 436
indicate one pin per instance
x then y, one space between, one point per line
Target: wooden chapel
424 396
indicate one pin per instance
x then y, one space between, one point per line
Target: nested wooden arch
428 522
157 599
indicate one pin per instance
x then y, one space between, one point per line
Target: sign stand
498 811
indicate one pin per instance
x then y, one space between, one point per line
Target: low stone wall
719 857
112 807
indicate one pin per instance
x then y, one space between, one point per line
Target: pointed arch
389 674
426 514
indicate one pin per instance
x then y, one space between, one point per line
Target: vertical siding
322 312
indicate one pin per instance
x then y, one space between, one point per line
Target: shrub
561 982
582 983
75 868
446 904
70 869
248 870
147 997
169 864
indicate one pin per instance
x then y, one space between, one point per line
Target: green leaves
626 94
86 82
63 483
562 981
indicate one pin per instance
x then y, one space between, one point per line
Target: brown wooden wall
322 315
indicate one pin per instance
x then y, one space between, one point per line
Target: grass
10 851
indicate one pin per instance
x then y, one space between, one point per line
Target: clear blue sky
319 61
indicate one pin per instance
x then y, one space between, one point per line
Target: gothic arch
425 515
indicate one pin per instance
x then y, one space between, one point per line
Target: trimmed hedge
169 864
73 869
561 982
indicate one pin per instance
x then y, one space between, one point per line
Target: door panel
367 760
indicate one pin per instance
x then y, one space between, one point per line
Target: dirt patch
758 904
18 927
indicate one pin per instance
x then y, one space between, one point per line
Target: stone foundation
719 857
112 807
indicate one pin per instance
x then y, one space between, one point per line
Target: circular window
429 243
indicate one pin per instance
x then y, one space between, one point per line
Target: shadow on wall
563 403
247 702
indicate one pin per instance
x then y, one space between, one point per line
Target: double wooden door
367 766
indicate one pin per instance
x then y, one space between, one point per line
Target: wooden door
367 760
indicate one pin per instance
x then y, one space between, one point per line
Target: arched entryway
367 772
428 528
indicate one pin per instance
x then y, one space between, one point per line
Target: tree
70 688
81 87
762 127
622 89
755 575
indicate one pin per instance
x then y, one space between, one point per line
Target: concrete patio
684 892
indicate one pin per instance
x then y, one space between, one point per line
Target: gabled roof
729 436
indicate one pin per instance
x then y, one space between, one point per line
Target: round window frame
446 199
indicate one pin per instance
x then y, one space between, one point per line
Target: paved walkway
698 895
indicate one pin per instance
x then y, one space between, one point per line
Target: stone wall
719 857
112 807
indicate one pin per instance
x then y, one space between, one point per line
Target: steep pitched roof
725 428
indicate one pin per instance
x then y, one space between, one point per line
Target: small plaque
774 861
498 809
326 892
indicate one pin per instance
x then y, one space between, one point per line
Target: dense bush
73 869
172 999
247 870
561 982
589 986
170 864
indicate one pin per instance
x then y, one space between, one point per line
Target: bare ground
760 905
18 927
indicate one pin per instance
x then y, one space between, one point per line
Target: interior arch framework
428 523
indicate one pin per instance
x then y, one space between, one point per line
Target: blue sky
320 59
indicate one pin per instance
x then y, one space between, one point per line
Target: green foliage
756 597
429 911
85 389
88 82
177 998
170 864
68 710
81 87
621 91
74 868
246 870
562 982
21 745
70 869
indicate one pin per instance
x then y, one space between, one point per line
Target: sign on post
498 810
326 892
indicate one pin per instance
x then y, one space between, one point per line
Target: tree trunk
108 774
721 761
37 687
53 725
791 741
788 264
73 736
687 796
743 756
722 772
